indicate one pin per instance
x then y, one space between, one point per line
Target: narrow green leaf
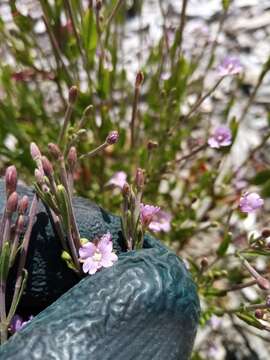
4 262
221 251
249 319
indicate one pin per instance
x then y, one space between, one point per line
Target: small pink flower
229 66
161 221
222 136
97 256
147 213
118 179
250 202
17 323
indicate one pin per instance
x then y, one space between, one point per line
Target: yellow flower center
97 256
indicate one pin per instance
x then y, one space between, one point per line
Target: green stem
114 12
67 117
134 116
94 152
78 39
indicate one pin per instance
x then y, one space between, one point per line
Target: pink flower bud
112 138
126 189
54 150
20 223
139 180
11 179
34 150
39 176
259 313
72 157
72 95
47 166
12 203
23 204
263 283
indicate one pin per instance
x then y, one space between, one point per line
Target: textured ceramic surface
145 307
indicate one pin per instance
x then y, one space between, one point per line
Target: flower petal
105 244
87 250
108 260
90 266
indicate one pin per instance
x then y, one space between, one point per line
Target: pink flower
17 323
161 221
97 256
230 66
118 179
147 213
250 202
222 136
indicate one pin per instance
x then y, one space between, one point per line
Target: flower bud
34 150
259 313
88 110
39 176
126 189
12 203
73 94
112 138
72 157
139 79
81 132
45 188
263 283
265 233
20 223
54 150
23 205
204 263
139 179
47 166
98 5
11 179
